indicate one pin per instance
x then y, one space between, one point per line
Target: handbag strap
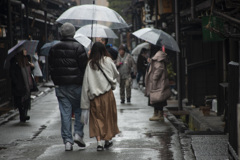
103 73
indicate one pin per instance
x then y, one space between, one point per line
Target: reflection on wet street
139 139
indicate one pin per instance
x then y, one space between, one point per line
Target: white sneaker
79 141
68 146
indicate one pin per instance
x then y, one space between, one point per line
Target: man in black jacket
68 60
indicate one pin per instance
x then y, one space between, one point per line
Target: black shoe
100 148
27 118
108 144
24 119
128 100
122 101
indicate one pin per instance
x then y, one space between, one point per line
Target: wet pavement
212 147
140 139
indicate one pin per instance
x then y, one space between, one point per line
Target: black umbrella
29 45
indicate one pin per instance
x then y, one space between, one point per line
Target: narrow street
139 139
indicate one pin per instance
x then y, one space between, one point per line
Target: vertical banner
147 18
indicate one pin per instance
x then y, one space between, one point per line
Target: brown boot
160 115
155 116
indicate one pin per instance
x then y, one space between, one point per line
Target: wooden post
46 58
10 33
238 106
27 20
177 19
238 128
156 13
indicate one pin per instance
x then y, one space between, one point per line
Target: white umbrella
157 37
97 30
139 47
85 41
92 14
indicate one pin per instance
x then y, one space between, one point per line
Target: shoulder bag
104 75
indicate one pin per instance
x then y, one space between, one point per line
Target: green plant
171 73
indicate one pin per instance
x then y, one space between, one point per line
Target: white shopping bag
134 84
85 116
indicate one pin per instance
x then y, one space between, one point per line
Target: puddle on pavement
127 109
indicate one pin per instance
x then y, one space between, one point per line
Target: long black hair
22 59
98 51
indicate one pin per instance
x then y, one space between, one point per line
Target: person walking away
125 64
36 71
68 60
99 80
157 84
111 51
22 83
142 65
42 60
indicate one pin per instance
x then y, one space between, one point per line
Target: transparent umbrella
96 30
139 47
157 37
84 40
92 14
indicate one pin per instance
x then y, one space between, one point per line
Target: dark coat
142 63
113 52
67 60
18 86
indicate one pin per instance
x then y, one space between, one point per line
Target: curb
14 112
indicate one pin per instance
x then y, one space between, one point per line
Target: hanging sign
212 28
148 19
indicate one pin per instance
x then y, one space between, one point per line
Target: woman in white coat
36 71
99 79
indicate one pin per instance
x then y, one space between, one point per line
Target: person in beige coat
100 79
157 84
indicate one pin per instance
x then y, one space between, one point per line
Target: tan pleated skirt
103 116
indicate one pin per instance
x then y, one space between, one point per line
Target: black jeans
158 106
23 106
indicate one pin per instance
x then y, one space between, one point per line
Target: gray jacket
128 65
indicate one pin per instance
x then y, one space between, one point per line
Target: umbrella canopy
96 30
84 40
29 45
47 46
139 47
157 37
92 14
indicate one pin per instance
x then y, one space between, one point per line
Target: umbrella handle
163 48
92 29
